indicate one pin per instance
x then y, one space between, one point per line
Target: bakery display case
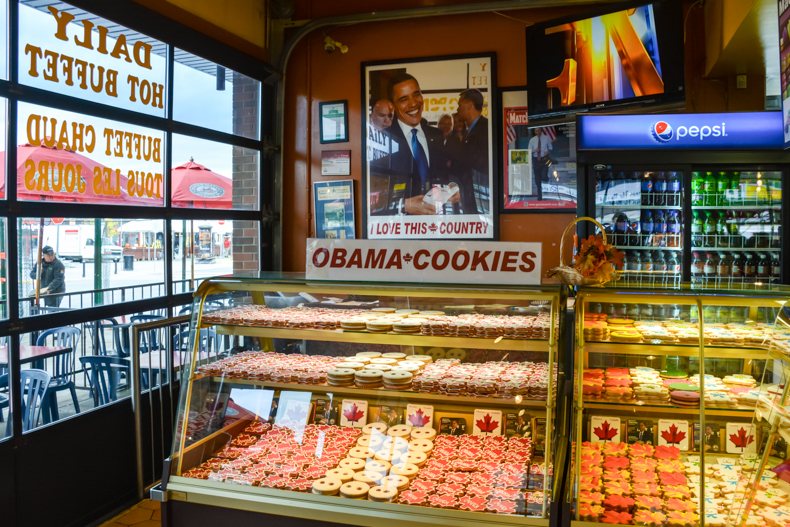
668 384
370 404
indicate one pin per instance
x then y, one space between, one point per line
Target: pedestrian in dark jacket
53 277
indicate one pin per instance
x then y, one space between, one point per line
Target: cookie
404 469
327 486
399 430
356 490
369 354
423 432
395 480
371 428
368 476
343 474
382 493
394 355
352 463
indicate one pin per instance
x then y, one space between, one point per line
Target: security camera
329 44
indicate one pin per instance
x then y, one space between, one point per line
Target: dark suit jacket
401 170
472 165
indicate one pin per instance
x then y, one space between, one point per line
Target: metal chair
63 371
104 376
150 339
34 387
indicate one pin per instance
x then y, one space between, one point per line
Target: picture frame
333 209
641 430
333 121
521 168
451 194
712 439
453 424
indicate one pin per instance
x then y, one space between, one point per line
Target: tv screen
633 54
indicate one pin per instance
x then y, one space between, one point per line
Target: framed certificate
333 121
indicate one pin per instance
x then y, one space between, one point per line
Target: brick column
246 122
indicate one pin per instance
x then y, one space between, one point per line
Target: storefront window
212 175
4 38
70 157
3 278
3 119
75 53
227 100
203 248
98 262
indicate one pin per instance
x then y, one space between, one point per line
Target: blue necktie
419 159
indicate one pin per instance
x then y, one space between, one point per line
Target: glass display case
666 386
371 404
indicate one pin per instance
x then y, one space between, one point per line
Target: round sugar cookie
424 432
352 463
382 493
369 354
356 490
377 465
343 474
404 469
371 428
414 457
395 481
399 430
371 441
327 486
394 355
371 477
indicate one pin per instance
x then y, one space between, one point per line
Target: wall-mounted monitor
626 55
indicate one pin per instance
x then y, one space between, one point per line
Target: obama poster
428 157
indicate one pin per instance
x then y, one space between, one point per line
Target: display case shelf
403 339
663 349
436 399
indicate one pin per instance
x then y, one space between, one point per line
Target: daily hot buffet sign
424 261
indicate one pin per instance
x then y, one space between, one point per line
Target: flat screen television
625 55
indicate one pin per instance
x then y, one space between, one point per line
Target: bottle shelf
728 206
648 248
636 206
731 249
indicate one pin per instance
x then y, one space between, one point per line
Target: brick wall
246 121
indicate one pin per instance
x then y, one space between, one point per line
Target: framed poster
428 156
538 162
333 121
336 163
333 202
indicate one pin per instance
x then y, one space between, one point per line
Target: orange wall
314 76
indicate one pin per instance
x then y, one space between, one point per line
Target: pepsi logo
662 132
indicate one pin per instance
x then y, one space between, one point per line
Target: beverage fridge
688 197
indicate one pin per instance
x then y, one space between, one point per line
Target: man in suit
416 159
644 434
471 168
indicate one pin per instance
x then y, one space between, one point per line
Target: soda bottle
697 266
749 266
659 222
763 266
660 189
735 186
635 261
736 267
723 268
620 228
647 189
776 267
722 184
697 189
710 265
626 256
673 266
647 224
696 229
710 229
722 233
673 189
647 262
673 229
709 189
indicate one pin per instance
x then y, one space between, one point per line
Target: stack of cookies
397 380
340 377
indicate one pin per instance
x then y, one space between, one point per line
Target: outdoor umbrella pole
38 265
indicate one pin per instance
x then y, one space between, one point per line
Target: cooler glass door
642 214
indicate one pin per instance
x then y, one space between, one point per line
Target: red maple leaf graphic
605 432
486 424
673 436
742 438
353 414
418 418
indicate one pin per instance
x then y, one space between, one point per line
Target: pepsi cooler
688 197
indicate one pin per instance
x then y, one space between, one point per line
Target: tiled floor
145 514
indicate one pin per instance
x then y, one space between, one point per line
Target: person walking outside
53 277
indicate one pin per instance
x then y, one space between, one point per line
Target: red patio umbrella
69 177
196 186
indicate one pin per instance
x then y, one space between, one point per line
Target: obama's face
408 102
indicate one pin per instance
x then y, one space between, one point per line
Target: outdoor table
33 355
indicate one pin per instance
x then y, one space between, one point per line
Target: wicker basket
569 275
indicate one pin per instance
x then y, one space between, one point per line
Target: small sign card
419 415
605 429
740 438
354 412
293 411
487 422
673 433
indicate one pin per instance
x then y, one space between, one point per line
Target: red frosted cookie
620 487
676 491
671 465
443 501
672 478
644 464
472 503
674 504
652 503
641 450
590 512
501 506
457 477
639 476
681 519
450 489
591 497
620 518
667 452
649 518
616 462
646 489
618 503
616 475
413 497
615 449
423 484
